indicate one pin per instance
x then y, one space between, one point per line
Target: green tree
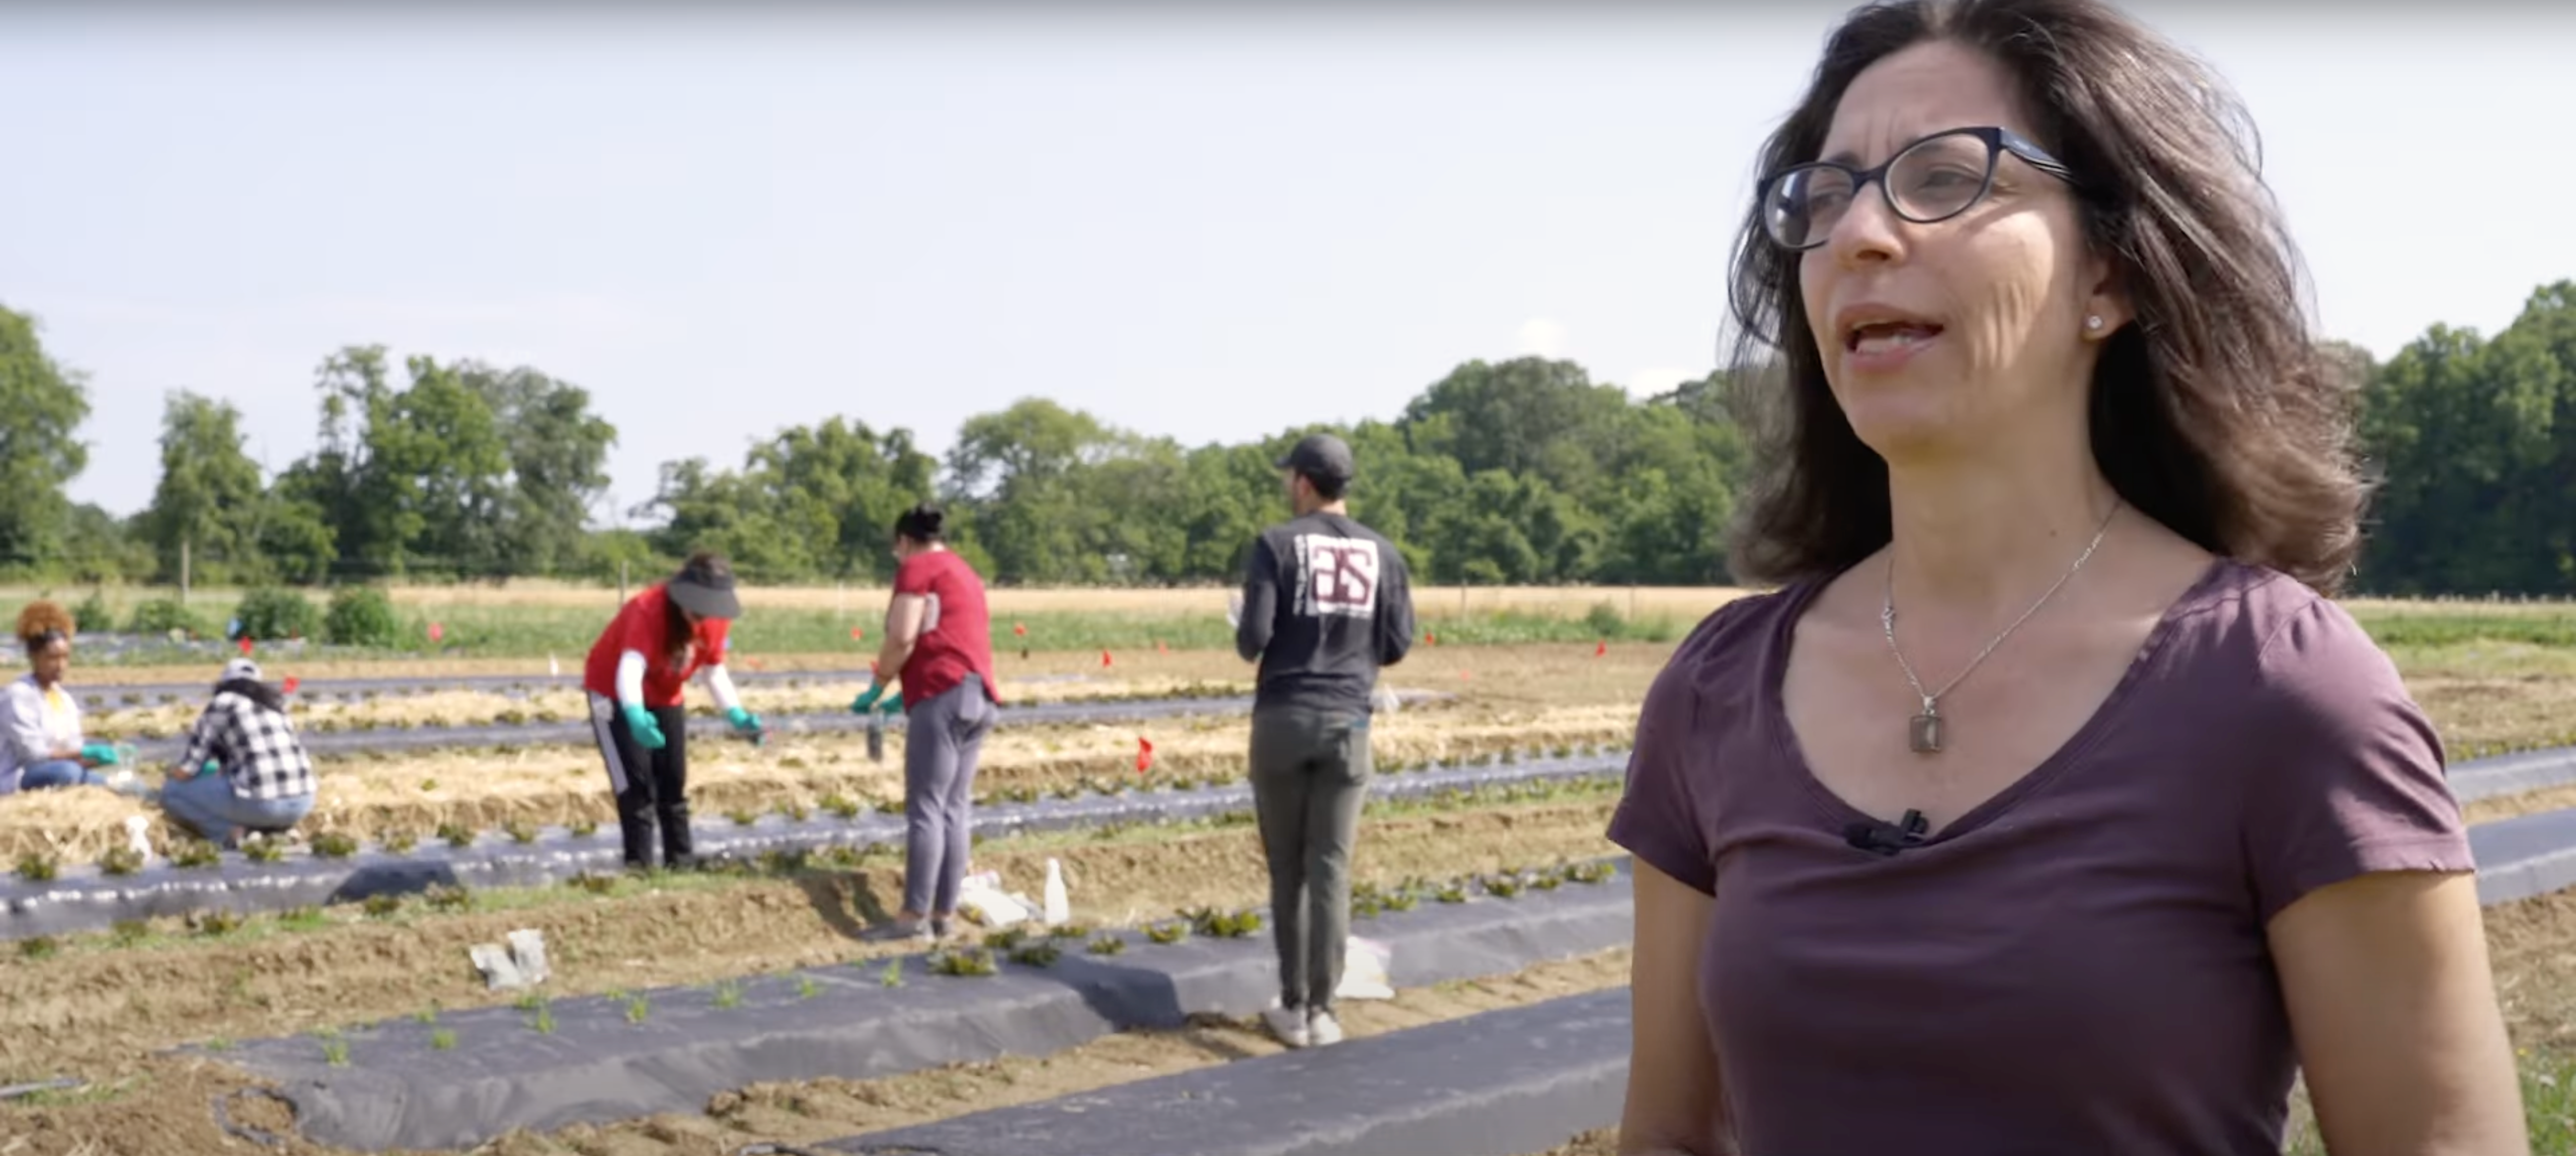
205 511
41 407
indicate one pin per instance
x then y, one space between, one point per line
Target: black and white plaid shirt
256 746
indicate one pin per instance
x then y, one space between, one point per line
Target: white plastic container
1059 907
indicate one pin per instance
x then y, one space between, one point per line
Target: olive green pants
1310 773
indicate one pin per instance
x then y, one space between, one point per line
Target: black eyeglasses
1933 179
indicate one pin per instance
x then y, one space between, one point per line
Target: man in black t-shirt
1325 604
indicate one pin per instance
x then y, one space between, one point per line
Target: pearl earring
2094 323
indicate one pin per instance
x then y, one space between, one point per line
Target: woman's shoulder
1723 657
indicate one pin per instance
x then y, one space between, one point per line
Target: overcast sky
727 221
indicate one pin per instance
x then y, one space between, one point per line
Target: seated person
244 768
40 723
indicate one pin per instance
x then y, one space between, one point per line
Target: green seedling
397 839
637 1008
37 867
259 850
38 947
1107 944
543 1022
428 785
583 828
1168 933
528 1001
427 1015
728 994
806 988
597 883
335 1052
446 897
1069 931
456 834
520 831
217 922
1451 893
1591 872
792 810
1042 953
304 918
220 1044
128 932
840 806
742 817
334 845
195 854
963 961
889 806
1546 881
1006 939
892 976
120 861
444 1039
382 905
1503 886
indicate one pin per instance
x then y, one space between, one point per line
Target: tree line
1523 471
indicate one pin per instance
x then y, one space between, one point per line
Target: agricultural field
1512 675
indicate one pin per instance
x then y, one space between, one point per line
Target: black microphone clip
1885 838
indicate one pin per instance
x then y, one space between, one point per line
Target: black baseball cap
1319 456
704 587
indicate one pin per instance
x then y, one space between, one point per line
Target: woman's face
51 660
1947 333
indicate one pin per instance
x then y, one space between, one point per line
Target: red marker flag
1430 639
1104 658
858 634
1020 629
436 632
1144 754
291 684
245 646
1600 648
1159 648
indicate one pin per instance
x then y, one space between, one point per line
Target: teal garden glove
639 722
744 723
100 754
868 698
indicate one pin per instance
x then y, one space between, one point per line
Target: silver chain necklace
1923 731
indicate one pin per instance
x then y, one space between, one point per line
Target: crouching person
244 769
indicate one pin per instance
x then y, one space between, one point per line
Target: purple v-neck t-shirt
2078 964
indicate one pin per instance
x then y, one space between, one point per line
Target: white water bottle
1058 907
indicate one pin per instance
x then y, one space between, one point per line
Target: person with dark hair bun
939 647
637 670
40 721
2049 804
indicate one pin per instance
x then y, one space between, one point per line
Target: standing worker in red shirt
663 635
939 640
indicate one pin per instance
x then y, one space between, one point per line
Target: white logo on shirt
1336 576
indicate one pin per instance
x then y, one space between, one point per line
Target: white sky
726 221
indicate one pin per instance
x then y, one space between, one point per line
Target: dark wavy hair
2215 412
920 523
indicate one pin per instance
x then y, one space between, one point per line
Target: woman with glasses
40 721
669 632
2048 804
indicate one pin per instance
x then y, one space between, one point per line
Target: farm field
110 1008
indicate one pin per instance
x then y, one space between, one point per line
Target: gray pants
941 740
1310 771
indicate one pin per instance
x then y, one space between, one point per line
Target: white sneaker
1287 1023
1322 1029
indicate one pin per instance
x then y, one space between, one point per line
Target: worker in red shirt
663 635
939 639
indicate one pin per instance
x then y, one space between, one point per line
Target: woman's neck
1980 536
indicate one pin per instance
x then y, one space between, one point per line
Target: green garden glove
893 704
867 698
211 767
102 754
639 722
744 723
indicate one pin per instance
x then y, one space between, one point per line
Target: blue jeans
58 773
207 805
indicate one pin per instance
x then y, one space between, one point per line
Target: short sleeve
639 626
912 575
2346 776
714 634
1658 818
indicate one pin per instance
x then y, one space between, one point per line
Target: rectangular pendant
1924 735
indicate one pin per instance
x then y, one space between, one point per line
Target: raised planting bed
87 898
97 698
709 727
1515 1080
2513 774
464 1077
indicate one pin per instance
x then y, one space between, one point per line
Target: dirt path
95 1009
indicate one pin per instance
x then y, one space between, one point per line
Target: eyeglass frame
1998 141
